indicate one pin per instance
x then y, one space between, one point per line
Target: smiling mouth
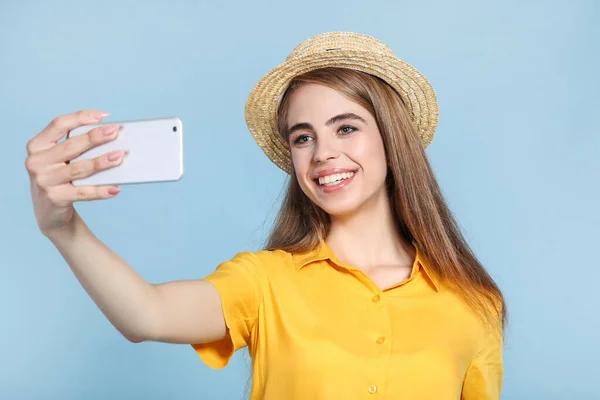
334 179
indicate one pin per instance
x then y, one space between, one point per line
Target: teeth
334 179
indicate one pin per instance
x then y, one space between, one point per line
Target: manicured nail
108 130
114 155
114 190
100 114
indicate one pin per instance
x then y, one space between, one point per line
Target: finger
67 194
80 169
77 145
59 127
56 156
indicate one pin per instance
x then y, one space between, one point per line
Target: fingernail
114 156
109 129
100 114
114 190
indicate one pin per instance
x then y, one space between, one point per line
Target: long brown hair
419 208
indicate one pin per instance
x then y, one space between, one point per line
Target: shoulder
270 258
262 262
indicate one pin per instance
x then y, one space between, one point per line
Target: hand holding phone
89 164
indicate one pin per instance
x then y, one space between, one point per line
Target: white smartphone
153 152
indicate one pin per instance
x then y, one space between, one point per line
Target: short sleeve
239 283
483 380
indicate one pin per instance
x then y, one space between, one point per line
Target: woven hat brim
261 106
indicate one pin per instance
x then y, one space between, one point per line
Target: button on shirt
317 328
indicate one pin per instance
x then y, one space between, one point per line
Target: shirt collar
323 252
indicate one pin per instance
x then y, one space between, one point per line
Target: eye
346 129
302 139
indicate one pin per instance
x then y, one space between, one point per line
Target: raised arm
175 312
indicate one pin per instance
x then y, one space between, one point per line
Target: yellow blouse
317 328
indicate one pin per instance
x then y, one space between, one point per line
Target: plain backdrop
516 153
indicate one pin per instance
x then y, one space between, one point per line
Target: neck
369 238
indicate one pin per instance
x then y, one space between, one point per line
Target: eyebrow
331 121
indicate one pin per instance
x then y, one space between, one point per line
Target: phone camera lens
174 129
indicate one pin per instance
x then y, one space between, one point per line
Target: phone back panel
153 152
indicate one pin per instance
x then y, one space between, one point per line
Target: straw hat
344 50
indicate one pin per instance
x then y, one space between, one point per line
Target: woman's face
337 150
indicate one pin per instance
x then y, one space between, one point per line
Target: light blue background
517 154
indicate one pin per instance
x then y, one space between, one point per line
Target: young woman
366 289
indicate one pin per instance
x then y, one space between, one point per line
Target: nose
325 149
